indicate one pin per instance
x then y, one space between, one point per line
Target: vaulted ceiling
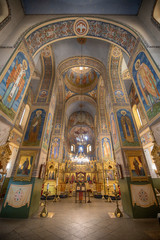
116 7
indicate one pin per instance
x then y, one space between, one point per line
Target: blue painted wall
130 7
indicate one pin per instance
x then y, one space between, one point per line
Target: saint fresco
136 165
47 132
127 128
106 148
25 166
54 152
35 128
13 85
148 84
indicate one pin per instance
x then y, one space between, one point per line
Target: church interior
80 113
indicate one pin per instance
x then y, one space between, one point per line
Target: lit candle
107 182
47 186
57 181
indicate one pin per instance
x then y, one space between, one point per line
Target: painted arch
55 30
59 29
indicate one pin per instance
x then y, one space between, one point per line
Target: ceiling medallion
81 27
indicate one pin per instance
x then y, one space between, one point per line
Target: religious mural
68 93
106 148
114 131
80 78
127 128
148 84
35 128
51 174
55 146
25 166
146 138
110 174
93 93
13 85
56 30
47 132
136 165
79 118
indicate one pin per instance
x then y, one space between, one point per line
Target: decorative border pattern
62 29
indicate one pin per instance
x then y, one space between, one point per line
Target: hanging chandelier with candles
81 136
80 158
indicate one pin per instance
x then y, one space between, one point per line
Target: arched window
89 148
24 117
137 116
4 13
156 12
72 148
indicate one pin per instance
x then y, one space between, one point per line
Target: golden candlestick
117 212
109 198
44 212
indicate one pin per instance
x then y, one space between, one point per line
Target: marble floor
74 221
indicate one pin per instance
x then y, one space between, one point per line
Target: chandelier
81 136
80 158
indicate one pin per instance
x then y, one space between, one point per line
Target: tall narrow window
137 116
72 148
89 148
24 117
156 12
20 123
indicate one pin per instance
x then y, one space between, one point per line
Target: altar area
99 178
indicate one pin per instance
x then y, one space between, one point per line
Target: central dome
81 79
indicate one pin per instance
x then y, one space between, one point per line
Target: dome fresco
81 79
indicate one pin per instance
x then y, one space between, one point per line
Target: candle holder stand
117 212
44 212
57 198
109 198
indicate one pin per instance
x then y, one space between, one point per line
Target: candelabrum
44 212
117 212
109 198
103 198
57 198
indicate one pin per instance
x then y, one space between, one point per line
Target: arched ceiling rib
71 48
80 103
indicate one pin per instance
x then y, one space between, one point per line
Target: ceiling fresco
80 118
81 79
122 7
77 130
